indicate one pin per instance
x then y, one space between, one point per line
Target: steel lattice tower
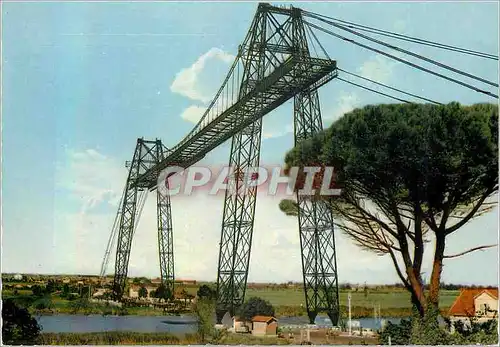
284 27
146 155
317 239
239 201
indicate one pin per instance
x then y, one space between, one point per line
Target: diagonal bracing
273 65
146 155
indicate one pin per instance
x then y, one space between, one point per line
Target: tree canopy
37 290
254 307
162 292
143 292
205 292
18 326
408 172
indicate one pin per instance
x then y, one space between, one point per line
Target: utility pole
349 305
379 315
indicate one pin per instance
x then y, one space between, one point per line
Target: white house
134 291
481 304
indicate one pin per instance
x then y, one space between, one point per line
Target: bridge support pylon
146 155
316 228
239 201
276 35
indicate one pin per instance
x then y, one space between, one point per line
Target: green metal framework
276 35
317 239
275 65
146 155
316 228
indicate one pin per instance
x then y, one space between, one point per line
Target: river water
148 324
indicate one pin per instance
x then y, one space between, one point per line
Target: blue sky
81 81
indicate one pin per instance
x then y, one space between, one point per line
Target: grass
393 303
387 299
132 338
247 339
109 338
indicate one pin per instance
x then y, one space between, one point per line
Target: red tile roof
464 303
263 319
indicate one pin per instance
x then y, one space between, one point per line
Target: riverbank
356 311
132 338
280 311
109 338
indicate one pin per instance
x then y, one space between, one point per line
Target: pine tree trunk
437 268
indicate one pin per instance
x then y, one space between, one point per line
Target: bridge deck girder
294 75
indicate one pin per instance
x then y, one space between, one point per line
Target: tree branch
469 251
367 214
400 274
471 213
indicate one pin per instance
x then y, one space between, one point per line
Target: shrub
18 326
426 331
256 306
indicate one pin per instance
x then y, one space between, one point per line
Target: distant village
25 281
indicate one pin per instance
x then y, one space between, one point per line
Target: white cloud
273 134
193 113
91 177
378 68
187 81
347 102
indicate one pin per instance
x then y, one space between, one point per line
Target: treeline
360 287
445 286
451 286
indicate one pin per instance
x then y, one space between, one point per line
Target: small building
264 325
240 325
186 282
99 292
156 281
134 291
481 304
18 277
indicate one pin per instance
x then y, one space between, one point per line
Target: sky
82 81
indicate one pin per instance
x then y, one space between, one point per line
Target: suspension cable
407 38
389 87
444 66
317 41
373 90
403 61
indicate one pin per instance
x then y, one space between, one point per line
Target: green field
392 303
384 298
287 302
